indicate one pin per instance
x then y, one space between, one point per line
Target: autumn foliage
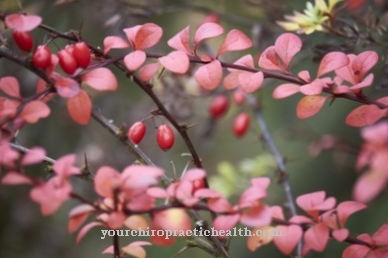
144 195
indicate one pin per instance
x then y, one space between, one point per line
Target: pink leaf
376 134
346 209
207 30
67 88
332 61
15 178
304 75
340 234
173 219
256 217
101 79
286 46
373 114
246 61
116 220
34 111
355 251
35 155
181 41
147 36
235 40
226 222
78 215
176 62
313 201
219 205
80 108
109 250
21 22
249 82
381 235
207 193
194 174
364 62
317 237
369 185
10 86
64 166
148 71
105 180
269 60
364 83
308 106
209 76
231 80
134 249
134 60
157 192
291 236
357 117
86 229
114 42
313 88
285 90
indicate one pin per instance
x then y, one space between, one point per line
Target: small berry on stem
218 106
136 132
165 137
241 124
23 40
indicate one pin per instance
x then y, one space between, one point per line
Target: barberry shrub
204 119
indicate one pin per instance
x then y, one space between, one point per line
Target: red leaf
64 166
364 83
148 71
332 61
101 79
86 229
270 60
181 41
34 111
286 46
35 155
317 237
355 6
134 60
176 62
67 88
21 22
10 86
250 82
355 251
80 108
381 235
357 117
235 40
114 42
209 76
315 201
246 61
340 234
15 178
231 80
207 30
369 185
308 106
291 236
285 90
134 249
78 215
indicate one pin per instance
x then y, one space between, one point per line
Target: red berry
219 106
82 54
70 49
136 132
241 124
23 39
67 61
238 97
42 57
165 137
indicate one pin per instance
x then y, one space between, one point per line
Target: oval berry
218 106
81 54
23 40
137 132
42 57
165 137
67 61
241 124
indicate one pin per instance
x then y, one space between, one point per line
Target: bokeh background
23 230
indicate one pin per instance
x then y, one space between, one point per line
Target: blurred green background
25 233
